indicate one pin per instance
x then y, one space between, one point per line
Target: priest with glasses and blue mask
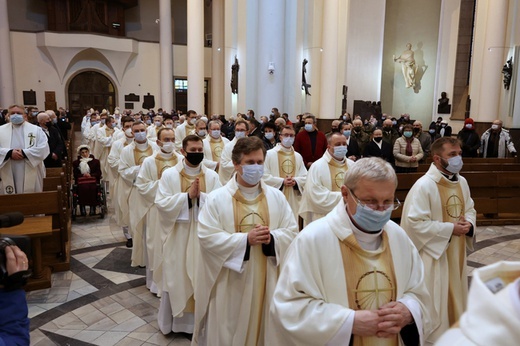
353 276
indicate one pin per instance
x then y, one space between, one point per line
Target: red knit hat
468 121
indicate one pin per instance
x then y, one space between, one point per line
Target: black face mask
334 129
378 139
195 158
387 129
48 123
416 130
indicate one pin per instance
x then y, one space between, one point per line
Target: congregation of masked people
268 232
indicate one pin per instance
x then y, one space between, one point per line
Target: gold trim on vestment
453 207
140 155
337 173
370 281
163 163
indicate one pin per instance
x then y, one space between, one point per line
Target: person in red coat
86 166
311 143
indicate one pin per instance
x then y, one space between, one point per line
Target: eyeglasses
374 205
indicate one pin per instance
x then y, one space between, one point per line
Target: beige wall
36 70
415 22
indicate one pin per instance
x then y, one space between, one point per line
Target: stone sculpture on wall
507 71
408 66
234 76
305 85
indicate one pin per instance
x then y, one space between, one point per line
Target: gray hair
41 115
309 115
370 168
212 122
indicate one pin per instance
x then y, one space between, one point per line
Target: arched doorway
87 90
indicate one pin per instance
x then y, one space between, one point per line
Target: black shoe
92 211
129 243
82 210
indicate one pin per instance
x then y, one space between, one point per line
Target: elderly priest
353 276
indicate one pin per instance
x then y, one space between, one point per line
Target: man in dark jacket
56 145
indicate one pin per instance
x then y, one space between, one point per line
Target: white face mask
287 141
252 173
193 121
140 136
168 147
240 134
215 133
309 127
269 135
201 133
494 127
157 124
16 119
454 164
129 133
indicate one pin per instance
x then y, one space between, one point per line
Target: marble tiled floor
104 301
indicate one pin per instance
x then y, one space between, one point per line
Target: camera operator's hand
16 260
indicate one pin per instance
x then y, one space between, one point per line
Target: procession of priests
249 246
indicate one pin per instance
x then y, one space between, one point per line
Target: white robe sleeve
127 170
170 200
321 198
146 183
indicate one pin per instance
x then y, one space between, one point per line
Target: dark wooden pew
44 223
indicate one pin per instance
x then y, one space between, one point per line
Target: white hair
370 168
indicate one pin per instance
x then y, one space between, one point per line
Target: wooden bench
496 195
43 230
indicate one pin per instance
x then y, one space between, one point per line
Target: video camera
23 242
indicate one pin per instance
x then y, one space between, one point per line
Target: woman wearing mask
469 139
407 151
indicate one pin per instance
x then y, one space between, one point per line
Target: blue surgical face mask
252 173
309 127
269 135
148 122
201 133
340 152
140 136
371 220
240 134
454 164
215 133
432 131
408 134
347 133
287 141
16 119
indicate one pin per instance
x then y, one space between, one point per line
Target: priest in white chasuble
113 161
226 167
180 195
105 138
440 219
245 228
130 161
185 129
353 277
323 186
23 147
214 145
143 218
285 170
493 314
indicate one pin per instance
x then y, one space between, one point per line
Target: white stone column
166 55
492 61
6 63
270 49
195 56
329 61
217 68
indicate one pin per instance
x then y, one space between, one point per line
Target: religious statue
234 76
444 106
407 61
305 86
507 71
